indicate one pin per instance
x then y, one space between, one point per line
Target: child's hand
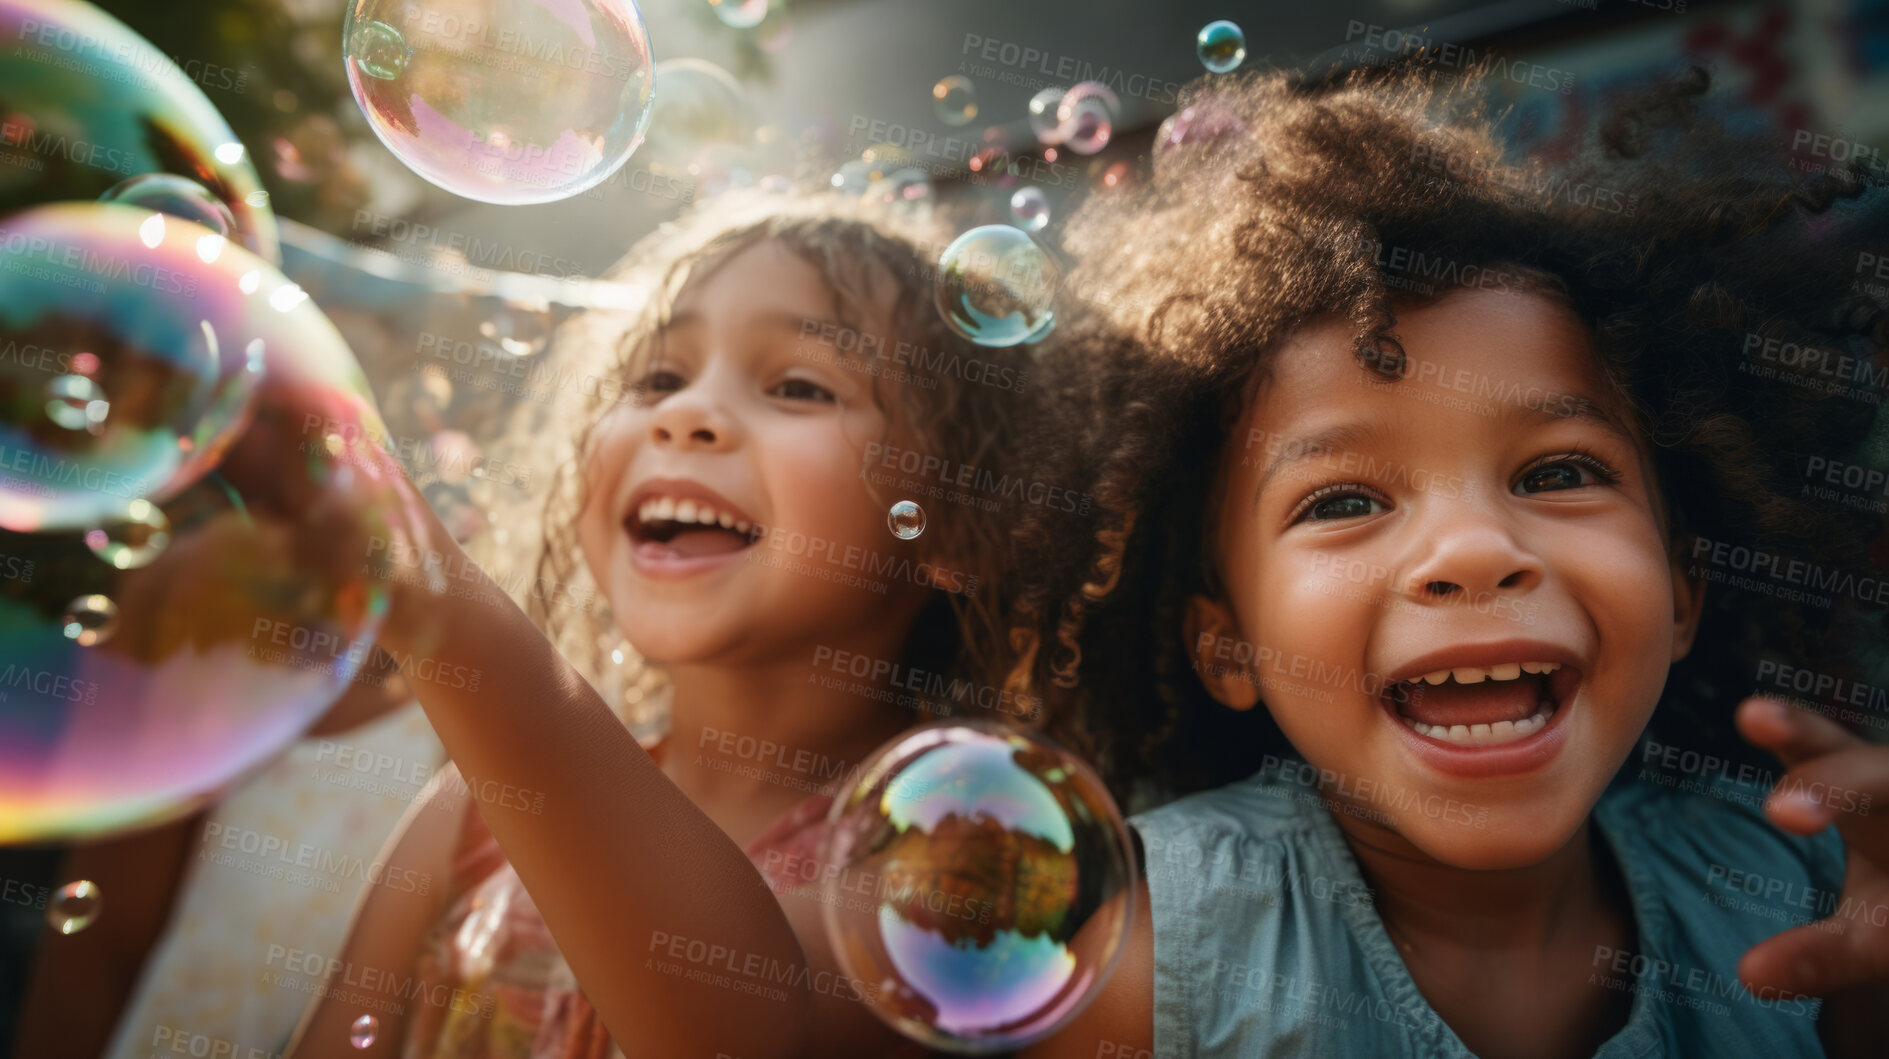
1833 777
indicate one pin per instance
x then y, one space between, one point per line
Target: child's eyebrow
1331 440
1349 435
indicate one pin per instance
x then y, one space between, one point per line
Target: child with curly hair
1458 465
717 533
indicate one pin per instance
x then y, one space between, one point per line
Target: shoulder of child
1712 837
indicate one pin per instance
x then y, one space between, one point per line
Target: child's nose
688 421
1475 557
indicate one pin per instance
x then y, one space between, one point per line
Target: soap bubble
135 692
362 1034
698 105
90 620
1029 207
520 328
176 196
741 14
906 520
776 31
507 101
169 343
1221 46
996 287
1194 126
1085 117
86 103
135 540
74 906
1004 882
1043 119
955 100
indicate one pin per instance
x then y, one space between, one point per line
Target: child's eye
657 383
1334 502
802 390
1568 472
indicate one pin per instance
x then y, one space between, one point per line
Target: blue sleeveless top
1267 941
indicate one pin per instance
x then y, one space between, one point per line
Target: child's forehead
773 277
1465 350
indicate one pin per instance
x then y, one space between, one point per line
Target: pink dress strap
521 1001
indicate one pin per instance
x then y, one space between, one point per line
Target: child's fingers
1794 735
1845 788
1814 959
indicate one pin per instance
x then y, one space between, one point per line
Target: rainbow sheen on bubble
1029 209
954 100
168 341
906 520
996 287
87 106
506 101
905 190
74 906
1221 46
177 197
1002 885
141 681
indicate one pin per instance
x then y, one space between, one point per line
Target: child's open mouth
1483 706
685 529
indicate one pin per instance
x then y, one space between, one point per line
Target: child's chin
1492 838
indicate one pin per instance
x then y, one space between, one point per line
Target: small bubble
1043 121
740 14
1221 45
362 1034
177 196
906 520
76 403
955 100
140 538
90 620
378 50
1029 207
74 907
1085 119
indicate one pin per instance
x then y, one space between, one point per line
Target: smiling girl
1421 478
723 505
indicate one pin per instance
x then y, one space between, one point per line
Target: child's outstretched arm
625 870
386 932
1843 958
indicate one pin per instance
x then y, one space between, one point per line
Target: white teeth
669 509
1478 674
742 525
1484 734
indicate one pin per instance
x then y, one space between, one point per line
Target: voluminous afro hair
1276 201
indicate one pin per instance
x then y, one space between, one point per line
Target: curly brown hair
1276 200
856 245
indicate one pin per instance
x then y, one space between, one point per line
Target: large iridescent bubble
698 106
1000 889
86 104
996 287
136 690
506 101
129 355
